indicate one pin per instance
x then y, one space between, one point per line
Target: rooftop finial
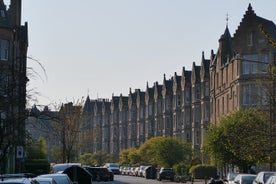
249 6
227 19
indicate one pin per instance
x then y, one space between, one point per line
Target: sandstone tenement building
13 80
183 105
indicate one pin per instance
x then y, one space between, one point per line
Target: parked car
141 170
59 178
19 178
111 174
114 167
244 178
18 181
78 174
132 171
150 172
45 180
230 177
136 171
271 180
59 168
99 173
262 177
165 174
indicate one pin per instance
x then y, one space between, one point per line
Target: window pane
250 64
4 44
265 60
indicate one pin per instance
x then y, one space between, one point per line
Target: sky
102 48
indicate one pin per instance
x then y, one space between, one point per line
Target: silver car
59 178
42 180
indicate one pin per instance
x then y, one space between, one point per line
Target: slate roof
268 25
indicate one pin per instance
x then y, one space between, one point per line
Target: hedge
203 171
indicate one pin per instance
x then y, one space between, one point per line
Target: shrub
181 169
37 166
203 171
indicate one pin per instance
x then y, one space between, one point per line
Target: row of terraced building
184 105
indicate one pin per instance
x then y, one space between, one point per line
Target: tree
134 157
66 124
164 151
239 139
99 158
271 94
130 157
36 160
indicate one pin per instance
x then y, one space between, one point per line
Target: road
121 179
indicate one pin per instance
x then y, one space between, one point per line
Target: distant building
184 105
38 125
13 80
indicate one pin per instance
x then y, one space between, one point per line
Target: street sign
19 152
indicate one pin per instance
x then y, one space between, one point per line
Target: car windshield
267 175
231 176
166 169
247 179
58 178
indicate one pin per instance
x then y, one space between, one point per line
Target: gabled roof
157 90
167 86
132 97
195 73
106 106
149 91
88 107
141 95
205 67
268 25
115 101
177 79
98 107
186 74
123 101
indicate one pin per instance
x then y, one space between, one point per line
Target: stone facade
184 105
13 80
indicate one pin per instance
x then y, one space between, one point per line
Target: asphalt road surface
121 179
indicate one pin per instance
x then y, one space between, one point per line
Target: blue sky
104 47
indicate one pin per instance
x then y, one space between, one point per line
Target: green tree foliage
159 151
134 157
37 150
36 161
181 168
241 139
164 151
130 157
96 159
203 171
87 159
148 151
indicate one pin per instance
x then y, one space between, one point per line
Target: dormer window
250 38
